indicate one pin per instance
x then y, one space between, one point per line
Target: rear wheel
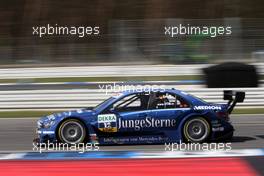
196 130
72 131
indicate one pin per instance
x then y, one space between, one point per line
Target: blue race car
143 117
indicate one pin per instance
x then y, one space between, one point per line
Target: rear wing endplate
233 97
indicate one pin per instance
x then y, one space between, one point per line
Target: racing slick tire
72 131
196 130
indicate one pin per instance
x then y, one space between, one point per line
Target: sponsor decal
165 104
207 108
79 111
45 132
184 93
51 117
216 123
148 122
218 129
117 95
107 122
93 138
134 139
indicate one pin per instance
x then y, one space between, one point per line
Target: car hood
61 115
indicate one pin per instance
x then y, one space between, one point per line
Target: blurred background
57 72
54 73
130 31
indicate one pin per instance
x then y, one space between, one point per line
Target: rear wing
233 97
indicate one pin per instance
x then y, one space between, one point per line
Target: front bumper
45 135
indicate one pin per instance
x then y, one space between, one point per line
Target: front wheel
196 130
72 131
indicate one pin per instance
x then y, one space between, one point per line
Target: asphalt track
16 134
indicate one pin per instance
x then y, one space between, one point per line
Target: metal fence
80 98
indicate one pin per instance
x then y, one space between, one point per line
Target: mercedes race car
142 117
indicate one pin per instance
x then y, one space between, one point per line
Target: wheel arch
69 118
190 116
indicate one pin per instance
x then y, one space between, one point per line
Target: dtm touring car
141 117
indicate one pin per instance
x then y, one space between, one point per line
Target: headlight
39 124
48 124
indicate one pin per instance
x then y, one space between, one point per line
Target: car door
123 116
166 110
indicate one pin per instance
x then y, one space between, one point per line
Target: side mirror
112 110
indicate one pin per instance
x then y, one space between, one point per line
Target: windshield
103 103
